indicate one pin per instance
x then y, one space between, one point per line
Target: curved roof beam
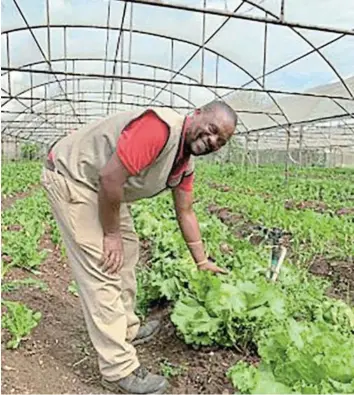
88 78
169 38
75 79
314 49
21 104
309 43
26 138
200 47
39 46
218 12
112 60
277 21
55 134
135 63
289 62
42 100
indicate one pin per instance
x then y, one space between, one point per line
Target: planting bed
217 330
59 358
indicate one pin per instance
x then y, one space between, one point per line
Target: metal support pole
31 92
48 32
65 61
130 38
282 10
106 52
265 42
60 116
16 148
78 95
216 74
301 132
203 46
73 81
245 154
286 169
46 102
154 78
330 149
257 151
121 65
115 94
8 61
229 152
172 72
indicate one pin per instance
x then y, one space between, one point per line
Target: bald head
217 106
211 127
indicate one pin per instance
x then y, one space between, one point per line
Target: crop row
304 338
19 176
23 226
299 332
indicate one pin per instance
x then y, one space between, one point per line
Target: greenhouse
220 261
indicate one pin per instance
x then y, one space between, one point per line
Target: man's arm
110 194
137 147
188 223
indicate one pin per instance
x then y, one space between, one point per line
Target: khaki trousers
107 301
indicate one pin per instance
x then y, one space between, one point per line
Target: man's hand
210 266
113 254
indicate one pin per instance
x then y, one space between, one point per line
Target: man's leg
75 209
127 272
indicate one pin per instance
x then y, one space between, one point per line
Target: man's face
208 132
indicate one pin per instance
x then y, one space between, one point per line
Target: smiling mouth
200 147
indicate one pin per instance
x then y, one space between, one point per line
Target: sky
239 44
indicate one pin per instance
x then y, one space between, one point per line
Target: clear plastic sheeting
324 102
286 66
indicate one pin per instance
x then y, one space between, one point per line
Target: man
90 177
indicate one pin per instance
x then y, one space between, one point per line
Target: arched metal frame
17 126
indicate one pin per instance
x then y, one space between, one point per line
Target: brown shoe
147 332
138 382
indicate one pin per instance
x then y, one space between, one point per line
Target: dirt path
59 358
7 202
341 274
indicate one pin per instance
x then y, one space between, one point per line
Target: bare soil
7 202
341 274
249 191
220 187
58 357
314 205
345 211
318 207
241 226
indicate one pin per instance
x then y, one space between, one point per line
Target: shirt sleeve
141 142
187 183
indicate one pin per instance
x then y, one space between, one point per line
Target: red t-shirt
141 142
